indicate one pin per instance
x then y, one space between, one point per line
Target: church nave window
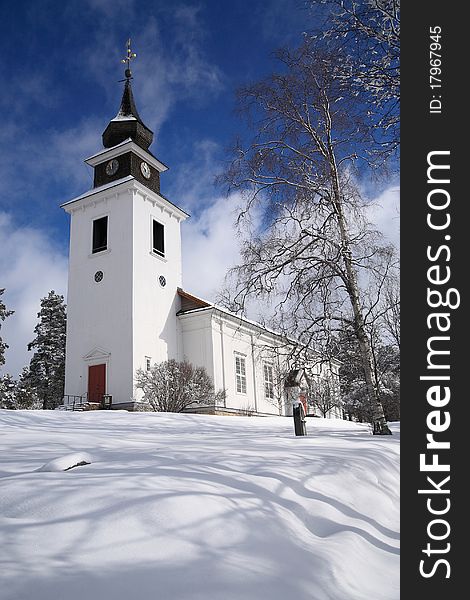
158 238
240 373
100 235
268 381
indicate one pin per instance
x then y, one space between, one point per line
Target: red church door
96 383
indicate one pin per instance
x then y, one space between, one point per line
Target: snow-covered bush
172 386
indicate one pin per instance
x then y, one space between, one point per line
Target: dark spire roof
128 107
127 123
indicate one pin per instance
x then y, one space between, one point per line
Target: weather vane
130 56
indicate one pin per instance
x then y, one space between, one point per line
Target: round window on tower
98 276
162 281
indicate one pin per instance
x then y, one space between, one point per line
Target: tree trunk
377 415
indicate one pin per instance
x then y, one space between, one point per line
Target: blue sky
61 67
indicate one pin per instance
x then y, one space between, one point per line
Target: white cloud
384 213
191 183
30 267
210 247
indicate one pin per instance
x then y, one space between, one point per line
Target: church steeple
127 123
126 140
128 107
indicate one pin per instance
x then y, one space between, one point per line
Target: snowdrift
67 462
193 507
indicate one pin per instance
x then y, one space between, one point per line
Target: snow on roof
104 150
98 189
294 377
121 117
106 186
118 149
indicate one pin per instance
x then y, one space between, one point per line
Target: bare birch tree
365 37
276 394
324 394
391 312
314 248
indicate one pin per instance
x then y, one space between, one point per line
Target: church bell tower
124 264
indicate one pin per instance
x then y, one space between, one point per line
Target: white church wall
198 347
272 353
237 343
232 339
155 305
219 351
99 314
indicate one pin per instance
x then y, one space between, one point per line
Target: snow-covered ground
190 507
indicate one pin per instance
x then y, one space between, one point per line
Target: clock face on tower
129 163
145 170
112 167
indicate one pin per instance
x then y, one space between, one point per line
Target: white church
126 305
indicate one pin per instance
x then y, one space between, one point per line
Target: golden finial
130 55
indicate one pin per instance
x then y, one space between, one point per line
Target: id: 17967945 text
435 69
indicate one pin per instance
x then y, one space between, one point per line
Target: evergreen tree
47 366
25 394
18 394
4 313
387 374
7 392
